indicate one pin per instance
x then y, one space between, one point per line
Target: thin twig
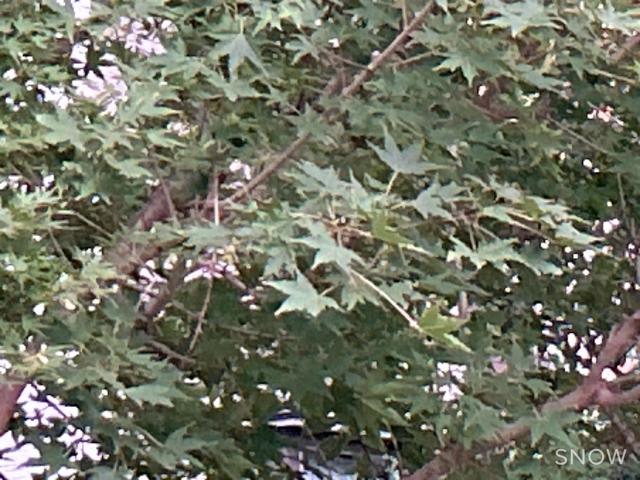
202 316
341 59
58 248
179 306
167 195
390 185
274 165
405 14
386 54
216 201
236 282
577 136
514 213
613 76
166 351
413 323
253 333
623 203
406 61
84 219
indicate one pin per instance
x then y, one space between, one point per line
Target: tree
449 183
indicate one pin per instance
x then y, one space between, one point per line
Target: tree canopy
211 211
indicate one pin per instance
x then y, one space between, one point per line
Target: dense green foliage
466 166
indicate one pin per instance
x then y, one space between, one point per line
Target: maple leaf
301 296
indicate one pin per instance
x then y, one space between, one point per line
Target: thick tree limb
627 47
170 354
128 256
594 390
10 390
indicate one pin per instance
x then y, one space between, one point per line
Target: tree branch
127 256
625 48
333 88
594 390
10 390
170 354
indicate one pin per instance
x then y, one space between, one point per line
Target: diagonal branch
10 390
127 256
333 88
621 338
594 390
627 47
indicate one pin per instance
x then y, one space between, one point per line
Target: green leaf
211 235
381 231
62 128
325 177
553 424
177 447
538 386
105 473
537 78
302 47
479 416
567 232
301 296
431 201
130 168
154 394
626 22
455 62
280 260
239 50
436 325
518 16
440 327
328 251
406 161
499 212
455 342
384 412
500 251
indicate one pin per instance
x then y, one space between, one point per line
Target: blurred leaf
405 161
301 296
